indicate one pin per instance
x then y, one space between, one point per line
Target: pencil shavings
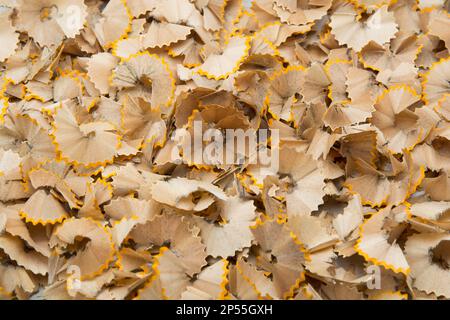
224 150
427 254
281 254
99 245
112 23
378 246
301 14
177 235
9 37
395 102
210 284
164 34
348 28
147 76
49 22
100 69
235 216
89 144
225 59
435 83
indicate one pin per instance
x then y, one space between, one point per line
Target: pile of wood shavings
93 205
